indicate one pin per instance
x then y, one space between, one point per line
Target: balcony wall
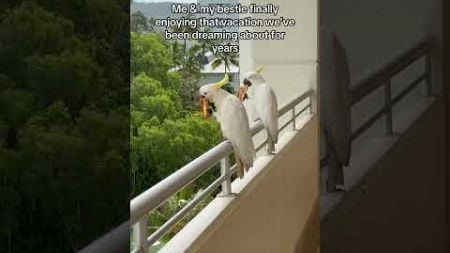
374 31
275 208
399 206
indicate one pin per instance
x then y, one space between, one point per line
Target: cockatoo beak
204 107
204 103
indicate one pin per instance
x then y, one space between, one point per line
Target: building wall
400 205
446 7
290 65
404 207
373 31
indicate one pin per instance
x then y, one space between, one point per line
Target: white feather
267 108
233 121
234 124
265 105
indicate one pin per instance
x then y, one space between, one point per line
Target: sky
159 1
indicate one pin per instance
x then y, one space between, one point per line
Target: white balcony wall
275 208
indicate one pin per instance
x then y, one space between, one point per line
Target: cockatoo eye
247 82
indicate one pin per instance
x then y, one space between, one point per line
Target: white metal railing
162 191
383 77
142 205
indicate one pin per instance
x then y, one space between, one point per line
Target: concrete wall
446 7
404 207
273 213
290 65
400 205
373 31
275 208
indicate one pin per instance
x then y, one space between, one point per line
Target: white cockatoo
265 103
233 121
335 108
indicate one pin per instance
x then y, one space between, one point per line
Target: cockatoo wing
267 107
235 127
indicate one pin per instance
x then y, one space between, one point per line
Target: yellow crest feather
259 69
222 82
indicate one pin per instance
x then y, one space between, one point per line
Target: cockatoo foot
222 195
239 166
270 150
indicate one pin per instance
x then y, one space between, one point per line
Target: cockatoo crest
259 70
253 77
209 90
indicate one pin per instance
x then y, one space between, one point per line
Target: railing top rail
377 78
159 193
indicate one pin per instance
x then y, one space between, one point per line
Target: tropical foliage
166 130
63 122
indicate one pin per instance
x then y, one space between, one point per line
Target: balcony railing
148 201
383 77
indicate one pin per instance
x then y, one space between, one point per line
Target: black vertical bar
429 74
388 106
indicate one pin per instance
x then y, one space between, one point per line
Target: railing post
293 118
140 235
225 171
388 106
429 74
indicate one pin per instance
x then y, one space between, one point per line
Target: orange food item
204 105
242 94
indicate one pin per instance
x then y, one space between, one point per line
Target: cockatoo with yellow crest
233 121
265 103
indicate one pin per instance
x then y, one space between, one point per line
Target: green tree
139 22
150 56
177 53
151 24
63 123
185 29
226 58
166 130
191 67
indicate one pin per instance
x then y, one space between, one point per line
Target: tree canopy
63 123
165 135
